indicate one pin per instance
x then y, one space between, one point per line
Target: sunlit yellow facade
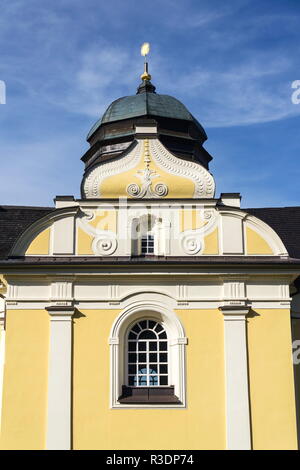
148 250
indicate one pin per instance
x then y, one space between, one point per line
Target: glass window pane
152 357
158 327
132 335
142 345
131 380
142 369
163 369
136 328
163 380
132 369
153 380
163 346
142 357
153 346
143 380
152 324
163 357
147 334
163 335
153 369
143 324
132 346
131 357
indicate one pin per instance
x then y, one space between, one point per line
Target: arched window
147 365
147 355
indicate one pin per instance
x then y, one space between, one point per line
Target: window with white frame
147 358
147 244
147 355
147 375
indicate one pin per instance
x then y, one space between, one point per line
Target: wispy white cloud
255 91
247 92
235 89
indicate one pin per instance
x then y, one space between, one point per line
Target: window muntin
147 355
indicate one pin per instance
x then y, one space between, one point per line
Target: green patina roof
144 104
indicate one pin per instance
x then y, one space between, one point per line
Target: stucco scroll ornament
104 244
87 214
202 179
146 175
94 178
105 241
191 243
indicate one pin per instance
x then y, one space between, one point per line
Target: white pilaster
59 379
236 370
2 358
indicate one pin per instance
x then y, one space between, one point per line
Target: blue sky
231 63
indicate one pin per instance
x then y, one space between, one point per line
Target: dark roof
286 223
143 105
14 220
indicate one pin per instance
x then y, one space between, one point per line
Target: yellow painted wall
189 219
200 426
40 244
105 220
84 243
296 352
25 380
116 186
211 243
271 380
256 244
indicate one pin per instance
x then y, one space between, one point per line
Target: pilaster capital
61 313
234 312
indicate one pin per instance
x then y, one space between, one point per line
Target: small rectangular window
147 245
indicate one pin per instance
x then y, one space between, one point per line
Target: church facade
149 313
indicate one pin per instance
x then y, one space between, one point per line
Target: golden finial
145 49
